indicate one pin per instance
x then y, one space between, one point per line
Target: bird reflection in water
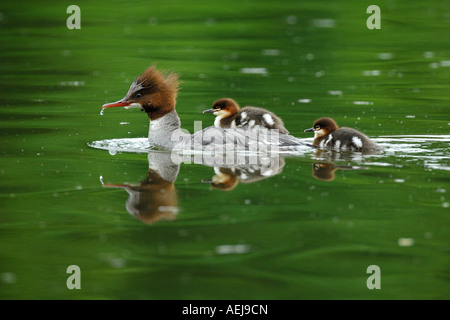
324 167
155 198
227 178
325 170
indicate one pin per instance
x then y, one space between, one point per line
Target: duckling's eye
138 95
317 127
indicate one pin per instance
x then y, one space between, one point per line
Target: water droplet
262 71
362 102
291 20
434 65
182 233
153 21
117 263
232 249
309 56
8 277
372 73
335 92
385 56
405 242
428 54
324 23
271 52
319 74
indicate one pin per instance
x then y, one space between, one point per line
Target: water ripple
431 151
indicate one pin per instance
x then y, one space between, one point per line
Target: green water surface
292 235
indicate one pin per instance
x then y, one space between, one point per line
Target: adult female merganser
155 93
230 115
328 135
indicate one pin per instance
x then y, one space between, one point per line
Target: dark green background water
291 236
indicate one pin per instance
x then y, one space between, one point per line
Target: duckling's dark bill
309 130
209 111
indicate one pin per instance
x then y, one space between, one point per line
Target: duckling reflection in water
227 179
325 171
324 167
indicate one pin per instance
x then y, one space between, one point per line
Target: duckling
230 115
328 135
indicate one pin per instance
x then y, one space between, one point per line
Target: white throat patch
319 133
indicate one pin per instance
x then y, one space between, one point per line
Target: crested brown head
155 92
224 108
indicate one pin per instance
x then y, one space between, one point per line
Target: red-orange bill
120 103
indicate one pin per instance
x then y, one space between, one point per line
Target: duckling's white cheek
221 113
318 133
